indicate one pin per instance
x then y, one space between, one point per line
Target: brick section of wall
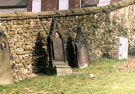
49 5
29 7
87 3
74 4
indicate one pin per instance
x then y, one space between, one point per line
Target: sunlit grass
107 80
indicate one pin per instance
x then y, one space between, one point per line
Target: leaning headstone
5 67
122 50
83 57
57 51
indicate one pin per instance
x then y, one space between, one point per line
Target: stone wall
28 33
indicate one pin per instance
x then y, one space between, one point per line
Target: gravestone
122 50
5 67
58 48
82 50
57 51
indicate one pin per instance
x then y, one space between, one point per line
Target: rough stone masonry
28 33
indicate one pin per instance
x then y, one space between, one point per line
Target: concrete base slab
62 68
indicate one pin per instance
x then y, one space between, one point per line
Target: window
104 2
63 4
36 6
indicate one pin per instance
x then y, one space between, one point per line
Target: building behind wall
48 5
13 5
51 5
92 3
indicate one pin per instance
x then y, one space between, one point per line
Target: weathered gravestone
5 67
122 50
82 50
58 48
57 51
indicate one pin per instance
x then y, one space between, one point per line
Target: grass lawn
109 78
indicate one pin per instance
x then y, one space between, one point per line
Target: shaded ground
127 65
110 78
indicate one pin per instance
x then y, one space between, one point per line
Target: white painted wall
80 3
63 4
36 6
104 2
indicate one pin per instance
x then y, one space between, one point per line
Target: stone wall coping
64 13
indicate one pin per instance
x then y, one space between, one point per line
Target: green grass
107 80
